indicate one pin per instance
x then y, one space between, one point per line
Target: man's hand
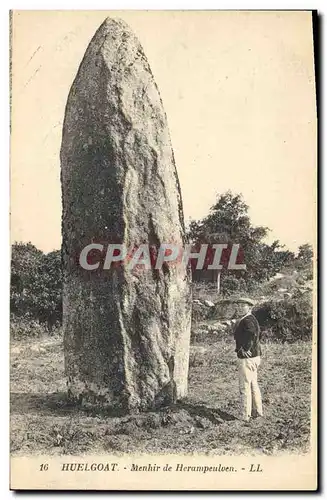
246 354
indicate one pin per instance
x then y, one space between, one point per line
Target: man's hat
246 300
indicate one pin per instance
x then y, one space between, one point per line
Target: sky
238 89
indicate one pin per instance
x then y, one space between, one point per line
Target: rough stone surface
126 333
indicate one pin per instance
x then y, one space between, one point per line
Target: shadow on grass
215 415
55 403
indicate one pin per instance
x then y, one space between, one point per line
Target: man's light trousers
251 403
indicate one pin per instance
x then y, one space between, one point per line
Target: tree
274 258
36 284
305 254
304 260
25 259
229 221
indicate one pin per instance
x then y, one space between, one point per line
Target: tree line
37 279
229 222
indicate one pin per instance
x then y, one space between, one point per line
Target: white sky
238 90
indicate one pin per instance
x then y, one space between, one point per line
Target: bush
23 328
231 284
287 320
27 328
36 285
200 312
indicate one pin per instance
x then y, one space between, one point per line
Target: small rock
203 423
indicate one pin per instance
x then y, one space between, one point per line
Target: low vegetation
205 422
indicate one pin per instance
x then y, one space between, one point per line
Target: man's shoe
245 420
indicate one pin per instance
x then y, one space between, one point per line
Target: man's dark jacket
247 336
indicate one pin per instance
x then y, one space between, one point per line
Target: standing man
247 337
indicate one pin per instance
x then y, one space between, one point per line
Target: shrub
287 320
26 328
23 328
231 285
200 312
36 284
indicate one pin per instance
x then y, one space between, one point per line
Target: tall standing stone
126 333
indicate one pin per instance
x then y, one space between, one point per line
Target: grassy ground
42 421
